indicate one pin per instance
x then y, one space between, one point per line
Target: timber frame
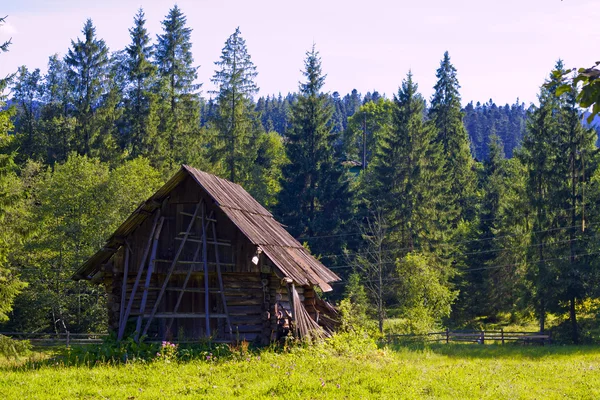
202 259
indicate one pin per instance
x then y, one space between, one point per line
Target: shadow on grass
107 355
498 351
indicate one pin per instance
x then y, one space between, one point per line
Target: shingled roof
252 219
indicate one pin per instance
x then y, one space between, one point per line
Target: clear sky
502 49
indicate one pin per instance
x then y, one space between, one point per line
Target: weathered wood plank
205 259
185 282
138 277
124 284
220 278
138 325
166 282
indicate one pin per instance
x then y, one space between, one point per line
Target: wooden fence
53 339
473 336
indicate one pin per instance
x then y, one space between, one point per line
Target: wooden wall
251 291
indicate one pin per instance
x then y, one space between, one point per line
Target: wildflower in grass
167 352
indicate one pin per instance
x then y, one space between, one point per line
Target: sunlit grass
328 372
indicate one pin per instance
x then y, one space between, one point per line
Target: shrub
13 348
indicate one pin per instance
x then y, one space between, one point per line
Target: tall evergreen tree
404 187
314 199
180 116
407 174
56 122
27 91
578 144
10 194
446 115
545 176
87 74
237 122
140 133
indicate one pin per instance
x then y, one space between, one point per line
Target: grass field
327 372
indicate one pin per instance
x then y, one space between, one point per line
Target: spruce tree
140 102
405 178
55 121
10 195
404 190
237 122
314 199
445 113
180 114
87 61
27 91
578 144
545 176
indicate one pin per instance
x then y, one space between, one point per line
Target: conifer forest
435 214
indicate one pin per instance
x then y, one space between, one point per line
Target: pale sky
502 49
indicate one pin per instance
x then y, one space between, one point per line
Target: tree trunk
573 318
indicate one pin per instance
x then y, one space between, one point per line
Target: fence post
502 334
482 337
447 335
68 338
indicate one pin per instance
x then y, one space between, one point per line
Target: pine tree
55 120
314 199
237 122
446 115
404 188
27 91
10 194
140 102
87 74
180 115
544 177
578 144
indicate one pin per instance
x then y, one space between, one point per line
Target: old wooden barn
202 258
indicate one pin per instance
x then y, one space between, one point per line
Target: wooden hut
202 258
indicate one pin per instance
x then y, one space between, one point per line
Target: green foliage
353 308
236 120
376 119
178 108
425 293
13 348
11 210
75 208
87 74
446 115
315 196
357 371
560 157
589 95
140 102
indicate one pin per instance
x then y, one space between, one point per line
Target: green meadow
330 371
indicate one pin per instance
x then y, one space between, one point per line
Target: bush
13 348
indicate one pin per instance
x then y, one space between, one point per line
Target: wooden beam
221 243
138 325
185 282
166 282
137 279
182 315
124 286
189 215
205 259
193 262
214 230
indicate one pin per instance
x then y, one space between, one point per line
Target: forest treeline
430 213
